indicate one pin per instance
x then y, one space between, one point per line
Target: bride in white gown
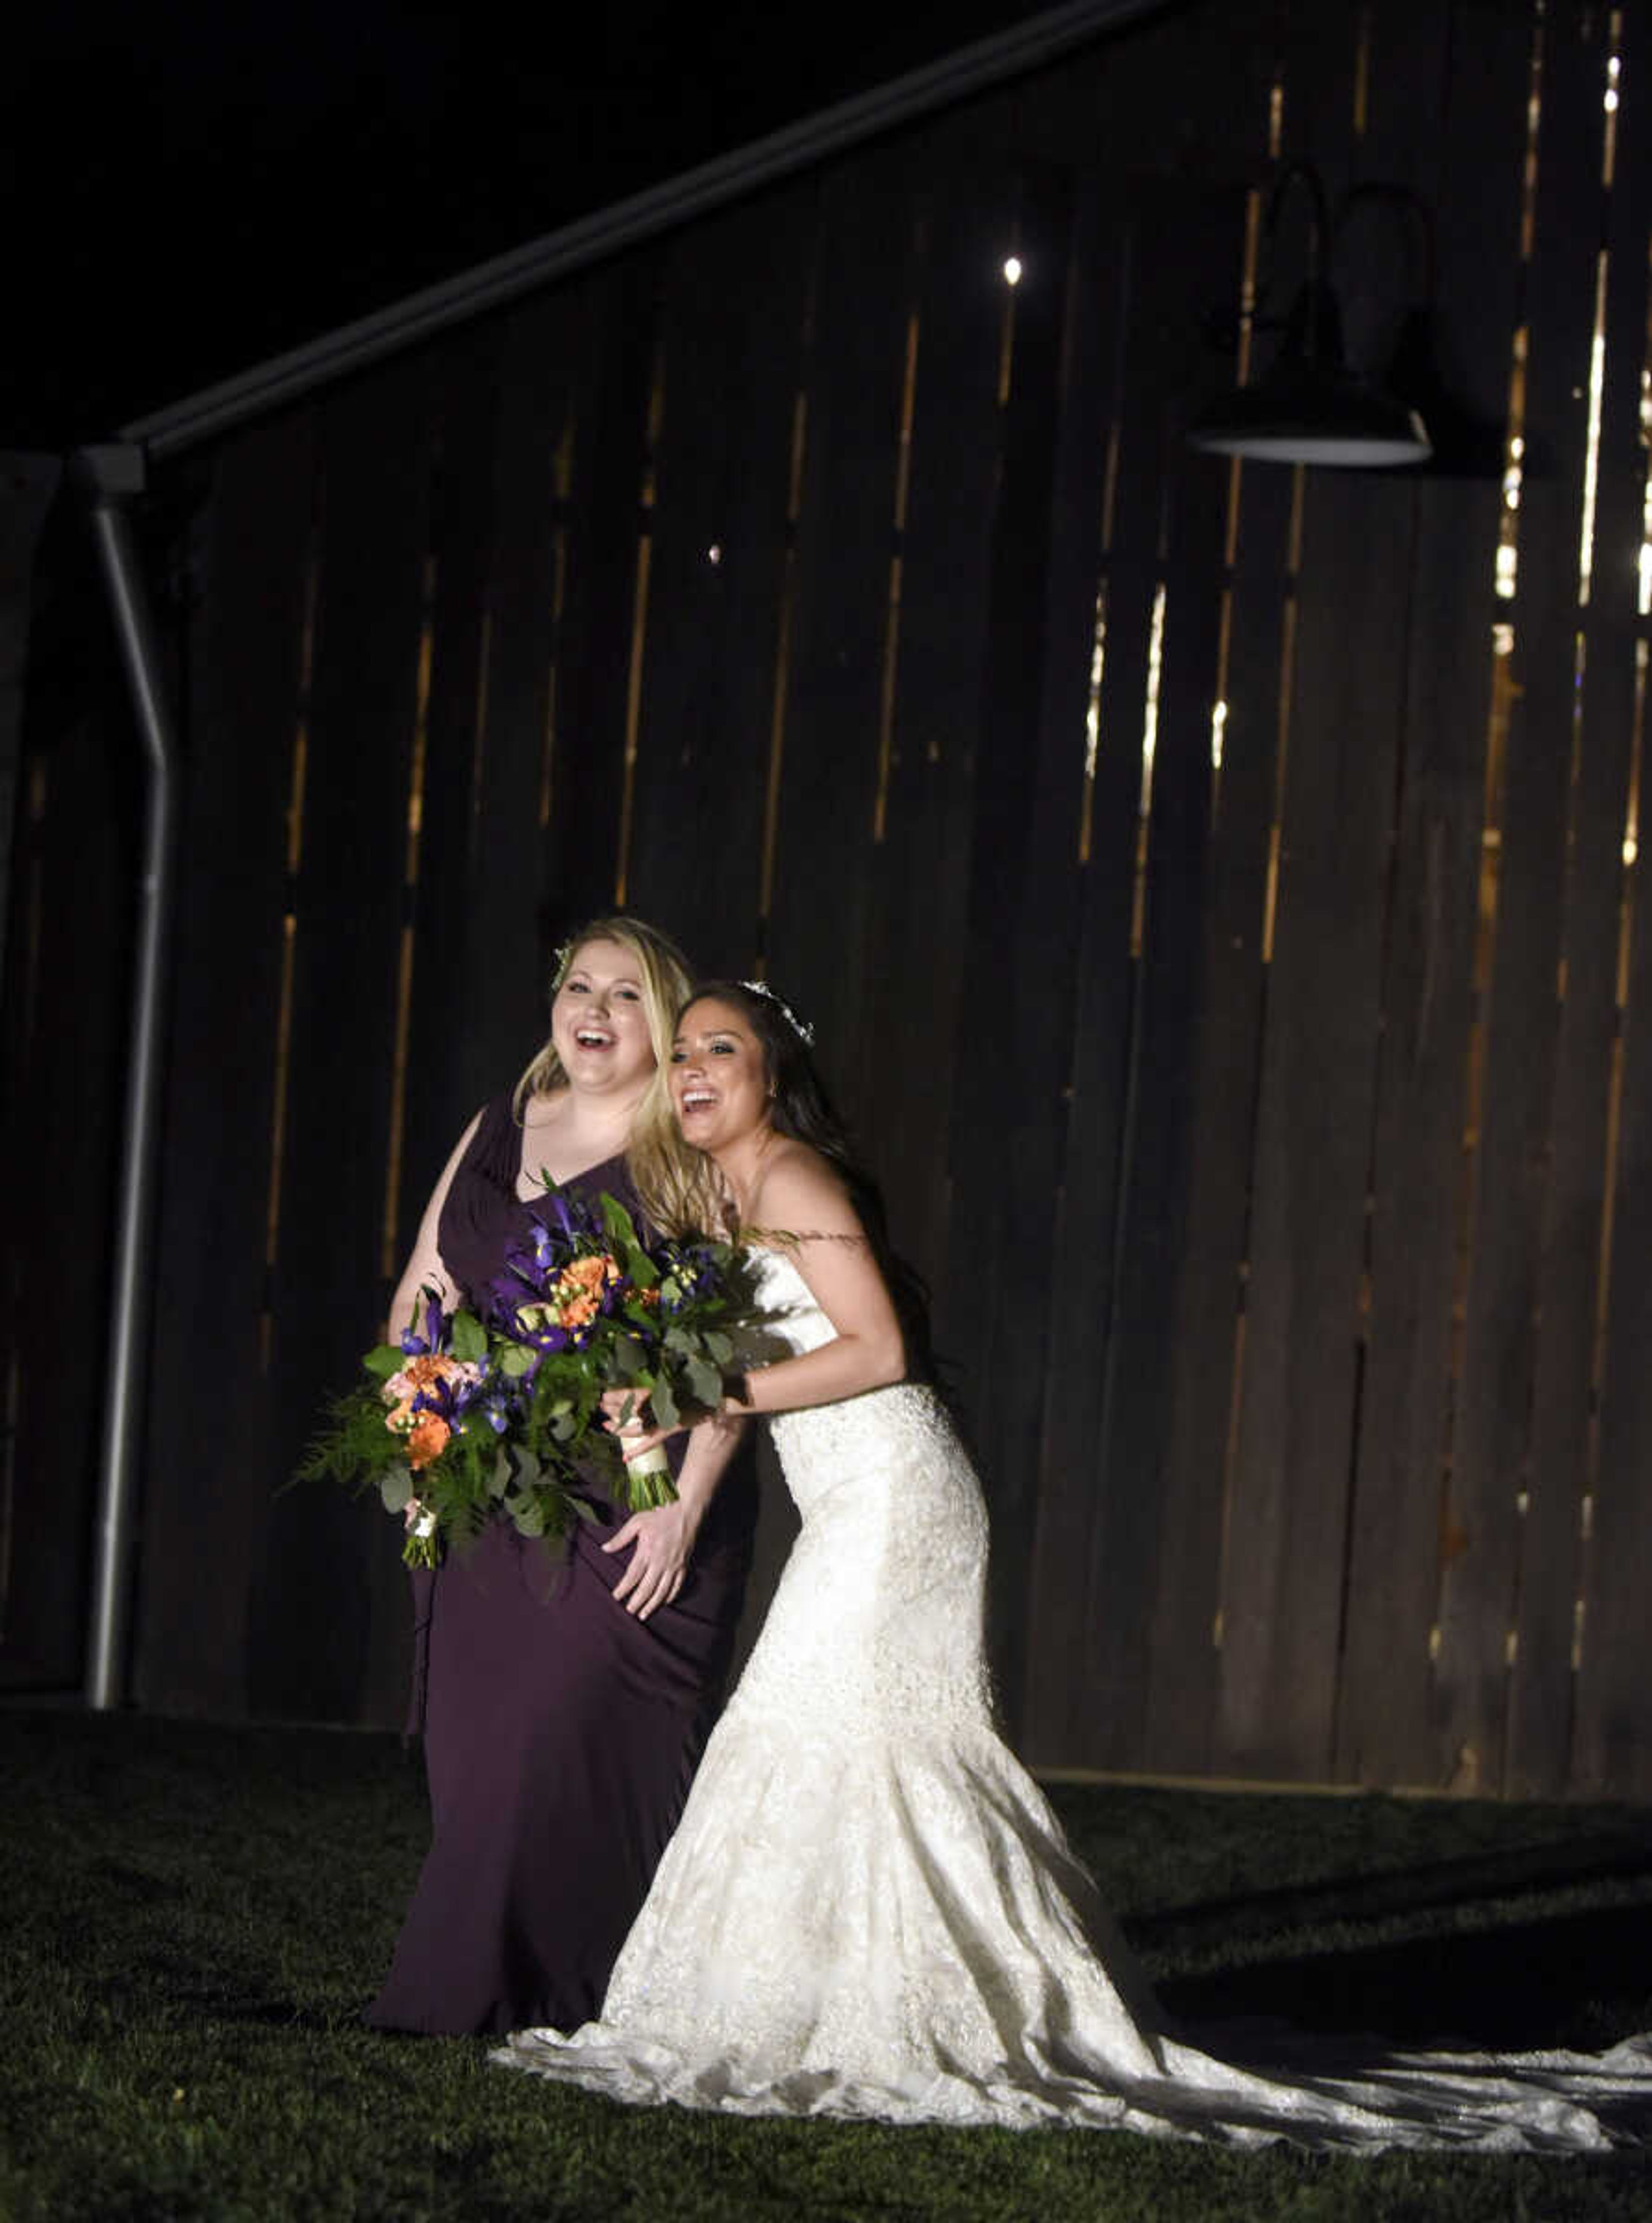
868 1909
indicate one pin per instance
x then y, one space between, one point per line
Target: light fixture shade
1307 413
1309 408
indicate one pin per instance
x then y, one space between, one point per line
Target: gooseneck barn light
1308 407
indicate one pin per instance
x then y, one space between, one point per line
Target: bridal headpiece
800 1028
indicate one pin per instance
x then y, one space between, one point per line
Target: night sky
192 187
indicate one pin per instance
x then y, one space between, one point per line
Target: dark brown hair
799 1106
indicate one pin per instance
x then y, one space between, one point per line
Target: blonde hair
673 1182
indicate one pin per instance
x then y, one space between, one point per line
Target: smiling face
599 1021
719 1082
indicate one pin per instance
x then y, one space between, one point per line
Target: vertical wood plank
1610 1744
1196 236
996 1281
1387 1705
1295 1365
607 612
67 947
1071 695
1312 70
208 1474
1182 1660
1283 1592
737 298
908 1051
1211 1289
320 1644
1065 1706
1521 1417
455 1056
535 594
817 939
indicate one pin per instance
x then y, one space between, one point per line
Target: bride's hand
633 1434
661 1540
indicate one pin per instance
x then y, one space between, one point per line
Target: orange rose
577 1296
406 1382
592 1274
428 1440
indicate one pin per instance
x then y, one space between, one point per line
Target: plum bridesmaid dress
561 1732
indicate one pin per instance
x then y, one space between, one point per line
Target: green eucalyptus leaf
706 1383
396 1487
515 1359
468 1336
498 1479
664 1404
384 1360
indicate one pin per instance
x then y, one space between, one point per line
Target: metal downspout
113 475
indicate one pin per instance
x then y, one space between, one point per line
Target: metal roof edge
234 402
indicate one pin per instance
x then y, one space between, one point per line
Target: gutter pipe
115 475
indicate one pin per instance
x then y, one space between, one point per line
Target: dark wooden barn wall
1215 890
62 1029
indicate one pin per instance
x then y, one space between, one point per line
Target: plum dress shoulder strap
483 1220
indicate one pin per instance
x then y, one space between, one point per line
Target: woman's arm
803 1197
662 1538
829 1247
424 1269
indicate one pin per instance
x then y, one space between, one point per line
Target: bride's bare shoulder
802 1194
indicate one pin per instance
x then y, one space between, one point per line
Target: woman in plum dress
869 1910
564 1706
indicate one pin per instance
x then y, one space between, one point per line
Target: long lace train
869 1910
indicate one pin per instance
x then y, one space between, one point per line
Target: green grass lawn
194 1918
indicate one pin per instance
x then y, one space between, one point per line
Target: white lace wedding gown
869 1910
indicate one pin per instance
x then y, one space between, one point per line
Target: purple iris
573 1218
434 1338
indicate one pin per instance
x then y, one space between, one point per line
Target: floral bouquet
472 1414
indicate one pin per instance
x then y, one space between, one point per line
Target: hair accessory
564 951
800 1028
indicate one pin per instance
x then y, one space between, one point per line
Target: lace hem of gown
869 1910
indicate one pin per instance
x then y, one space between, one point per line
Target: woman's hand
634 1434
661 1540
